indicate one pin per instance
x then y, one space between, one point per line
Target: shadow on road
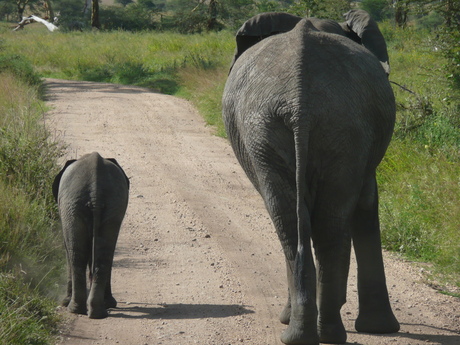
178 311
420 336
55 87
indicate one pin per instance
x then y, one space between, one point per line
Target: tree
21 6
401 8
49 13
332 9
448 35
376 8
7 9
147 4
95 23
124 3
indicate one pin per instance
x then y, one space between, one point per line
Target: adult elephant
92 196
309 115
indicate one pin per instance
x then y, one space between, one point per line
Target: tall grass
146 59
420 176
31 253
26 317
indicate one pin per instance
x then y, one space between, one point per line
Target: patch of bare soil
198 261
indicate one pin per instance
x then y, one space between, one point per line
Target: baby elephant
92 196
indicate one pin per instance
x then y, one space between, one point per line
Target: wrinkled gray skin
309 115
358 26
92 196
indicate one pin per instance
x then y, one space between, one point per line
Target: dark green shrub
378 9
133 17
20 67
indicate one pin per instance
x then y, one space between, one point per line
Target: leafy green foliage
20 67
133 17
418 177
332 9
124 2
378 9
71 15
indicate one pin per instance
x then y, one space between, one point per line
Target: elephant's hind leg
100 296
109 300
300 312
375 314
66 300
77 244
332 243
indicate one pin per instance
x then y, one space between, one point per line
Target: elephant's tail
97 211
303 256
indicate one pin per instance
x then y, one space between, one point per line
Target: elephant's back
91 182
324 82
307 69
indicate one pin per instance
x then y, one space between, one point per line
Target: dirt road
198 261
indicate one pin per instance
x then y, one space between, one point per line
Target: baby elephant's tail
96 227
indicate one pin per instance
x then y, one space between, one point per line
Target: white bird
51 27
32 19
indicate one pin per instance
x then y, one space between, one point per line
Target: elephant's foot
97 313
285 315
110 302
299 334
77 308
377 322
332 333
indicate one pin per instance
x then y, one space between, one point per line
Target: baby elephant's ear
57 179
366 28
262 26
114 161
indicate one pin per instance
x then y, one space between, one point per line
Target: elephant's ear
361 23
57 179
262 26
114 161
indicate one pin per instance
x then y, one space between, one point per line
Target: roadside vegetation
419 179
31 253
420 175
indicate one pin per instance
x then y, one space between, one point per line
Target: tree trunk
49 10
95 15
21 7
87 6
401 10
212 22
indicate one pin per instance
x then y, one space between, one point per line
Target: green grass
31 251
146 59
26 317
419 177
420 210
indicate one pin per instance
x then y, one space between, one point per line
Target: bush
133 17
20 67
429 22
378 9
